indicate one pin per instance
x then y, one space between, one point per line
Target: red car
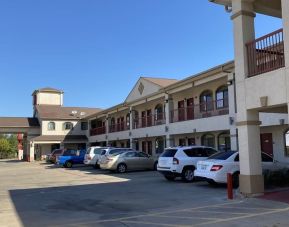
54 155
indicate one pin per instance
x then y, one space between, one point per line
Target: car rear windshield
222 155
169 153
88 150
70 153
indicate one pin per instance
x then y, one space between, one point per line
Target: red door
181 110
191 141
267 143
149 118
190 109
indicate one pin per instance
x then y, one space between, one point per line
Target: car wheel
188 175
68 164
121 168
235 180
170 178
96 166
156 166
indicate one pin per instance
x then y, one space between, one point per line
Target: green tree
5 148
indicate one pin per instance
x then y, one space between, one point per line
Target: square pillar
30 149
251 178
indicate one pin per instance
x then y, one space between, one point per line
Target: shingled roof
64 113
18 122
65 138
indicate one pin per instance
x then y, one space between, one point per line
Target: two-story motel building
240 105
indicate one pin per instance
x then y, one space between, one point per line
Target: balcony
97 131
204 110
119 127
149 121
266 53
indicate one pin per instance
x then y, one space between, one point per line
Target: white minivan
92 156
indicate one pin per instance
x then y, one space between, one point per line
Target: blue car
71 157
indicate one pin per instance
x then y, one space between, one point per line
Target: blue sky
95 50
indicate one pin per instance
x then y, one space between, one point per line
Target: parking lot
40 194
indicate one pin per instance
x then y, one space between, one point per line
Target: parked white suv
182 161
92 156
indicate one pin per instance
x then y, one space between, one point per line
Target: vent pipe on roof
228 9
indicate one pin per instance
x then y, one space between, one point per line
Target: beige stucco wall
271 84
48 98
278 141
59 128
149 88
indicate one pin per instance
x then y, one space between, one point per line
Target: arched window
51 126
206 101
208 140
160 145
286 142
222 97
159 112
224 142
67 126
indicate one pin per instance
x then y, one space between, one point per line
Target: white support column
232 112
30 148
107 129
251 179
285 17
169 106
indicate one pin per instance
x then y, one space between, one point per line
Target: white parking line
242 217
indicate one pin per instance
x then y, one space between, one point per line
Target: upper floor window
222 97
206 101
84 125
51 126
67 126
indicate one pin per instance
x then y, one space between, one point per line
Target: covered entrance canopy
24 126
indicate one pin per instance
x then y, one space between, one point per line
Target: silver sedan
130 160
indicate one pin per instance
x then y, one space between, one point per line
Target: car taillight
88 157
175 161
216 167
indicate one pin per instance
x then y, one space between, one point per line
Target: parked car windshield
222 155
169 153
116 152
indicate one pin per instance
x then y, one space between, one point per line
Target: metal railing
266 53
97 131
203 110
119 127
149 121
